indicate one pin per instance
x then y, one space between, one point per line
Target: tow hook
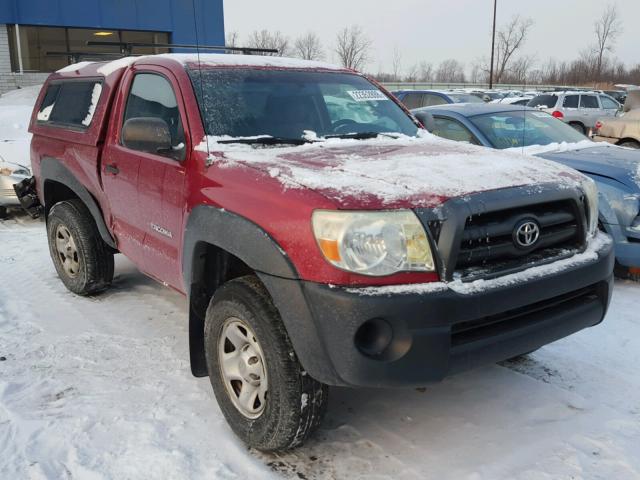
26 193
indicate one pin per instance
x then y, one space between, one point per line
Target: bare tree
412 74
397 63
511 37
232 39
450 71
352 47
270 40
607 30
426 72
309 47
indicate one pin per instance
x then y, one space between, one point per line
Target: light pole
493 43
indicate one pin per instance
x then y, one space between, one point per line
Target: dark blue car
615 170
427 98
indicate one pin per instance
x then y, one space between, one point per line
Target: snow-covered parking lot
100 387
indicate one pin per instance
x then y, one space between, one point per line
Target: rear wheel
3 212
83 261
630 144
578 127
269 401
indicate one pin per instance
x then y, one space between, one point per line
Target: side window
413 100
453 130
589 101
151 96
70 104
608 104
430 100
571 101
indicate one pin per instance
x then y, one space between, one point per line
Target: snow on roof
219 59
394 170
74 67
209 60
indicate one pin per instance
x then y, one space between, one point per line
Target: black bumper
435 334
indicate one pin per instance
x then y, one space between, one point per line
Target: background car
625 129
581 110
10 174
425 98
614 169
522 101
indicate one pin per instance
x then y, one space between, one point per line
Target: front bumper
8 197
439 333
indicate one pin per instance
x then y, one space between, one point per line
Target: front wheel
578 127
269 401
630 144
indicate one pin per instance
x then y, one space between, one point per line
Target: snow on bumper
414 335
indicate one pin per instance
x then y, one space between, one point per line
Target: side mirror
426 119
146 135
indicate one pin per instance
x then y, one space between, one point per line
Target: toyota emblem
526 233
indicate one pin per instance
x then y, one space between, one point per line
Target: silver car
581 110
10 174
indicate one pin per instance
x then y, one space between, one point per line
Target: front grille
491 326
489 244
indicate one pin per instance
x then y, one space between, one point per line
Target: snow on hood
554 147
392 172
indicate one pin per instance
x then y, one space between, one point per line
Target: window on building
46 49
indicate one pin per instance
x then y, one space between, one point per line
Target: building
38 37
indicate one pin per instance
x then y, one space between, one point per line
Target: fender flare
208 225
53 169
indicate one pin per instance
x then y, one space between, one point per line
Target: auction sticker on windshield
367 95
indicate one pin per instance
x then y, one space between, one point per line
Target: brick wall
8 79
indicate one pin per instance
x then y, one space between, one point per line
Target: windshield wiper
266 141
361 135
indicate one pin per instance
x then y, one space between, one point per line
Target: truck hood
403 172
620 164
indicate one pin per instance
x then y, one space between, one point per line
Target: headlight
373 243
591 192
10 169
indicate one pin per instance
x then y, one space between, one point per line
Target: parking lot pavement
100 388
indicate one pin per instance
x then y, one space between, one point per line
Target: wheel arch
58 184
219 246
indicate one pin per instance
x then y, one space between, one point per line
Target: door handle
112 169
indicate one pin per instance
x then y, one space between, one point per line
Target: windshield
522 129
243 102
464 98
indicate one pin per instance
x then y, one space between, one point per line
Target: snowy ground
94 388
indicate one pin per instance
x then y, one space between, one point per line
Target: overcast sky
434 30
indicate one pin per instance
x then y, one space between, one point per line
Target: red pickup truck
321 235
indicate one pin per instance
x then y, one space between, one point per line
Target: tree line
595 65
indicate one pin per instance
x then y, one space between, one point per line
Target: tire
73 237
630 144
4 213
293 404
579 127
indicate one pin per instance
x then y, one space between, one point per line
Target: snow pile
555 147
214 60
15 114
115 65
418 169
469 288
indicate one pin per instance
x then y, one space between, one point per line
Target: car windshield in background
543 101
464 98
284 104
522 129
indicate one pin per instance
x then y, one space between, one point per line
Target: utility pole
493 43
